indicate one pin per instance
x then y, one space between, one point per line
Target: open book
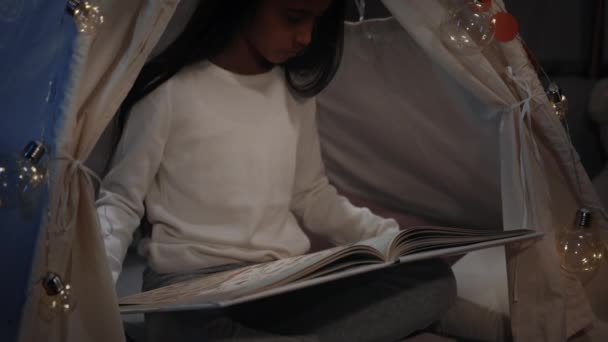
266 279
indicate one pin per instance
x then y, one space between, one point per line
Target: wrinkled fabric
104 67
537 167
545 305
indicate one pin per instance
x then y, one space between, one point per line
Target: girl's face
281 29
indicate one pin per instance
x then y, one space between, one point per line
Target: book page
262 275
380 243
225 285
423 239
179 291
458 249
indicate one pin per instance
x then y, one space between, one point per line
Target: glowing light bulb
21 177
558 100
57 298
33 172
579 246
87 15
467 29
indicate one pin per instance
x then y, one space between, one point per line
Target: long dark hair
213 26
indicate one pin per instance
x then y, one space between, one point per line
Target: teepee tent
406 123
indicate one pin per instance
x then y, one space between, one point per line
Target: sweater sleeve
317 203
120 204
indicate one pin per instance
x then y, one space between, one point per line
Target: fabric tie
524 108
64 217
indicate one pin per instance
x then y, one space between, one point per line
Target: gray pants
385 305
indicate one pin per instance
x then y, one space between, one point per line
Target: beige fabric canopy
528 176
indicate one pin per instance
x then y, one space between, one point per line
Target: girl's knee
432 279
446 288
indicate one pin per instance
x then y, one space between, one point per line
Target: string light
22 176
579 245
467 29
57 299
87 15
558 100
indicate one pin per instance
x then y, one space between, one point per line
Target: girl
222 147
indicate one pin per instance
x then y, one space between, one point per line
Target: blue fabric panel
36 45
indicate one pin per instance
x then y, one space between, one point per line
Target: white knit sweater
229 168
